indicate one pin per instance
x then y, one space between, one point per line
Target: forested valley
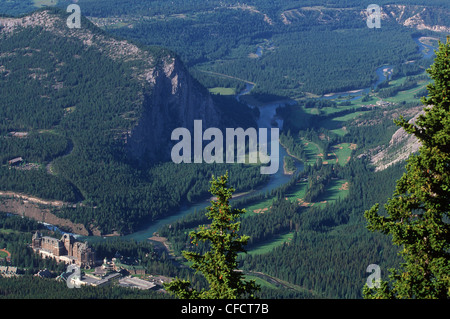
308 235
73 150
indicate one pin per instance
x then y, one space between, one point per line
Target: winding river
383 72
266 120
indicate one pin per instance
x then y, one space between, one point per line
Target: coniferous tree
219 264
418 213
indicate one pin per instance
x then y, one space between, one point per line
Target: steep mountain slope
172 87
92 107
400 147
163 79
420 17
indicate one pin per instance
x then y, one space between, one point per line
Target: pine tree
418 214
219 264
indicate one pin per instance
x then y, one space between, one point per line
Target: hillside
86 120
96 113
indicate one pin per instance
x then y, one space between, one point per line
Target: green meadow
223 91
267 246
341 153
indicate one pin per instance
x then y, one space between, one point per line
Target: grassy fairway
313 151
337 124
266 247
259 207
408 95
259 281
342 153
336 189
223 91
298 191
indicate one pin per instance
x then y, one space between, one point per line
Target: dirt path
32 199
227 76
40 210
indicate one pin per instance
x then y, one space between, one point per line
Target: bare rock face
174 100
400 147
417 17
169 96
420 17
161 96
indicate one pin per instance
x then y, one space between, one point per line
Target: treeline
379 132
298 58
209 38
16 7
15 237
212 80
318 180
303 61
330 249
129 197
295 144
178 232
296 120
16 234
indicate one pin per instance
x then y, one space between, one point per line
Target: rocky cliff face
400 147
420 17
173 99
169 96
106 95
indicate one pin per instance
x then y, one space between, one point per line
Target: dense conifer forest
308 237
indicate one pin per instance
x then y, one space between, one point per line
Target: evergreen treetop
219 264
418 213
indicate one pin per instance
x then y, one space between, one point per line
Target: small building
15 161
112 278
118 266
159 280
130 269
18 134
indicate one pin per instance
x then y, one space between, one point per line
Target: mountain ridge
115 101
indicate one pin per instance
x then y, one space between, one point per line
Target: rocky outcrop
25 206
422 17
174 99
418 17
400 147
161 95
170 96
